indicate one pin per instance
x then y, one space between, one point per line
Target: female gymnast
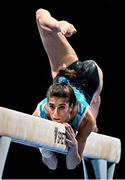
74 96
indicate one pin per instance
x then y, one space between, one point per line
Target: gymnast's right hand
49 158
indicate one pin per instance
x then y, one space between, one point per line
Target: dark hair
62 91
65 72
61 86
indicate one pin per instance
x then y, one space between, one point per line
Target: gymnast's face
58 109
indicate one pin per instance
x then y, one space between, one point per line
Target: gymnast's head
61 100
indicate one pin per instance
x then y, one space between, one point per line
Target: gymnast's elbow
73 161
73 165
51 163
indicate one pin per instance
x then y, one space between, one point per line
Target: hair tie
63 80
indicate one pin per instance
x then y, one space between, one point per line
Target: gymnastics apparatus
103 151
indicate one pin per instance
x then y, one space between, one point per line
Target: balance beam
33 131
100 146
37 132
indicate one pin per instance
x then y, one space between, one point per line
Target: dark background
25 71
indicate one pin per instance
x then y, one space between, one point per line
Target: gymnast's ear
71 107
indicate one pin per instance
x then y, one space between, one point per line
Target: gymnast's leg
96 99
53 34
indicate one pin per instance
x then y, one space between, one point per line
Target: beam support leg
4 147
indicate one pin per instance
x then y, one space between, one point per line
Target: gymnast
74 97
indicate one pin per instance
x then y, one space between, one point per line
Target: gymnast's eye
62 107
51 106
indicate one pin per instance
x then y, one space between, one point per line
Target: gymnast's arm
35 113
48 157
77 144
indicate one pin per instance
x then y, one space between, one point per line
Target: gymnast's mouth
57 120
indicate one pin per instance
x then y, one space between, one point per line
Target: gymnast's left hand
71 139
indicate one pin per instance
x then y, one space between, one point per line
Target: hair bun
63 80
